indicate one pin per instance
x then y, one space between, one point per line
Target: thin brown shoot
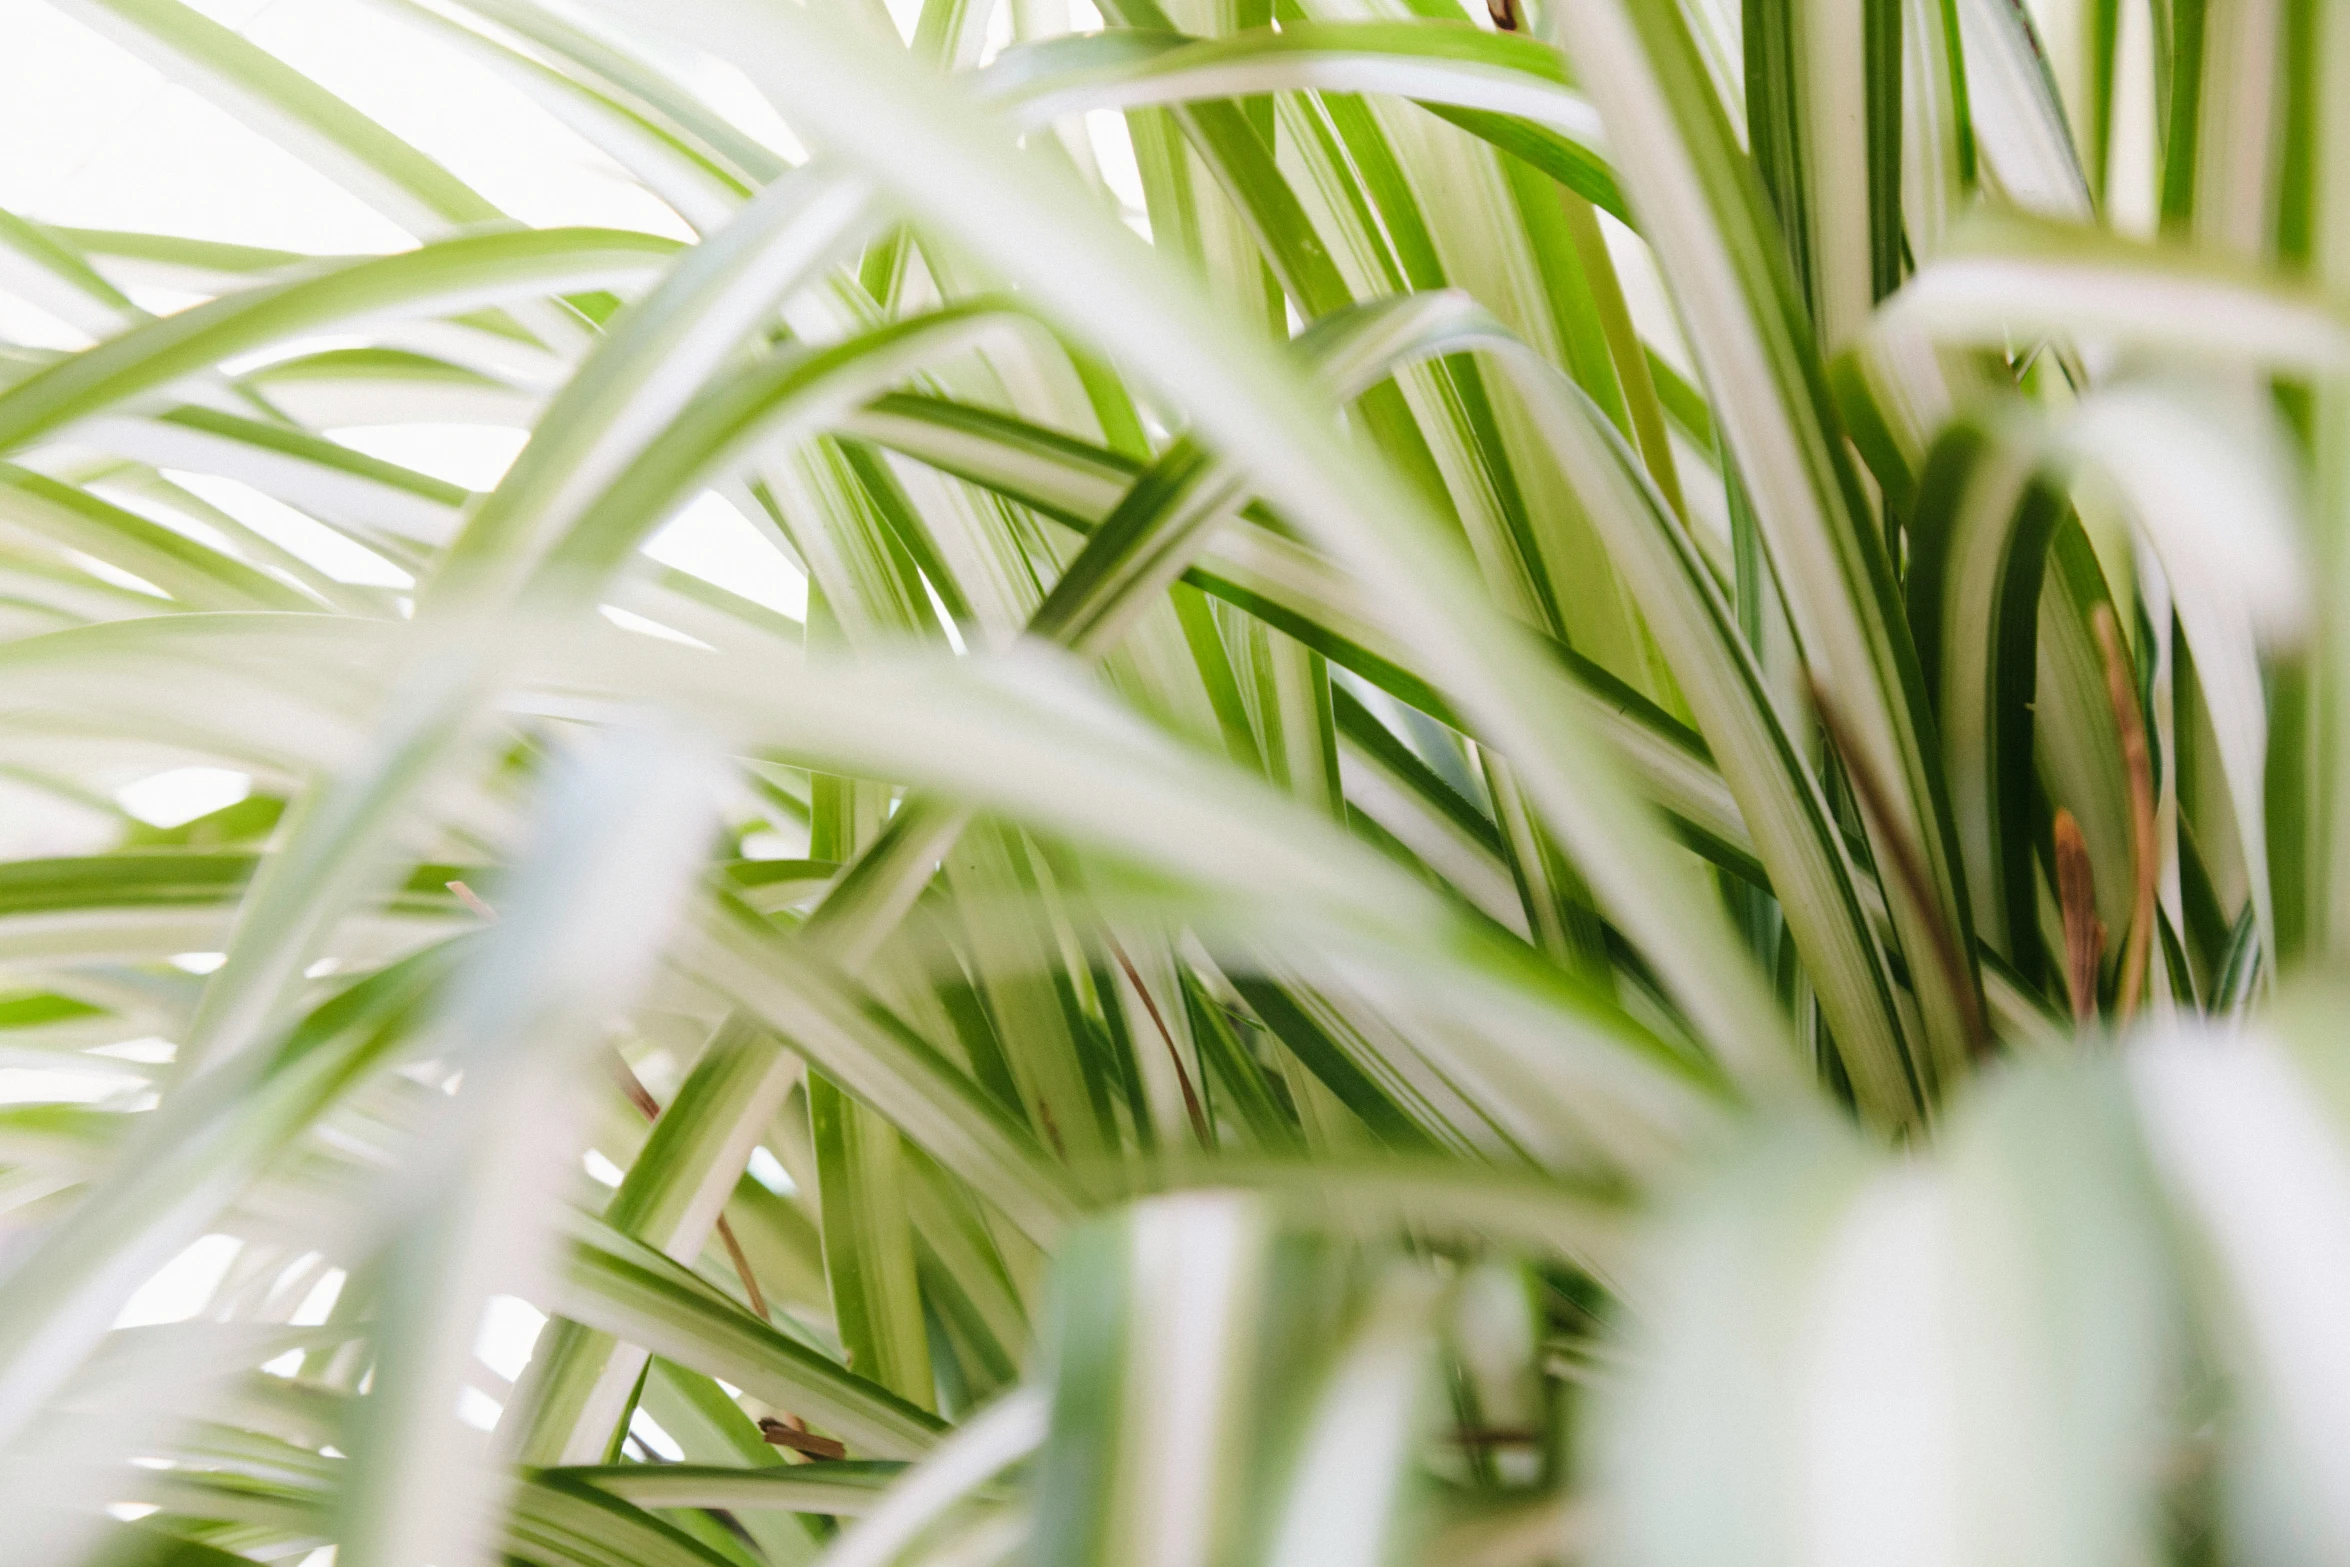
742 1269
1191 1104
634 1087
2084 933
1908 866
650 1108
2145 853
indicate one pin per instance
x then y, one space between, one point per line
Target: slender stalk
1191 1104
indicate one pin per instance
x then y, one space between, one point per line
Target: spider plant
1557 785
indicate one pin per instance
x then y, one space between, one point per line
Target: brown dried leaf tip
781 1434
1504 14
471 899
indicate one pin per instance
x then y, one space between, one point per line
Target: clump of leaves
1570 793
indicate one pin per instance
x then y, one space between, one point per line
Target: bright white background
96 138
